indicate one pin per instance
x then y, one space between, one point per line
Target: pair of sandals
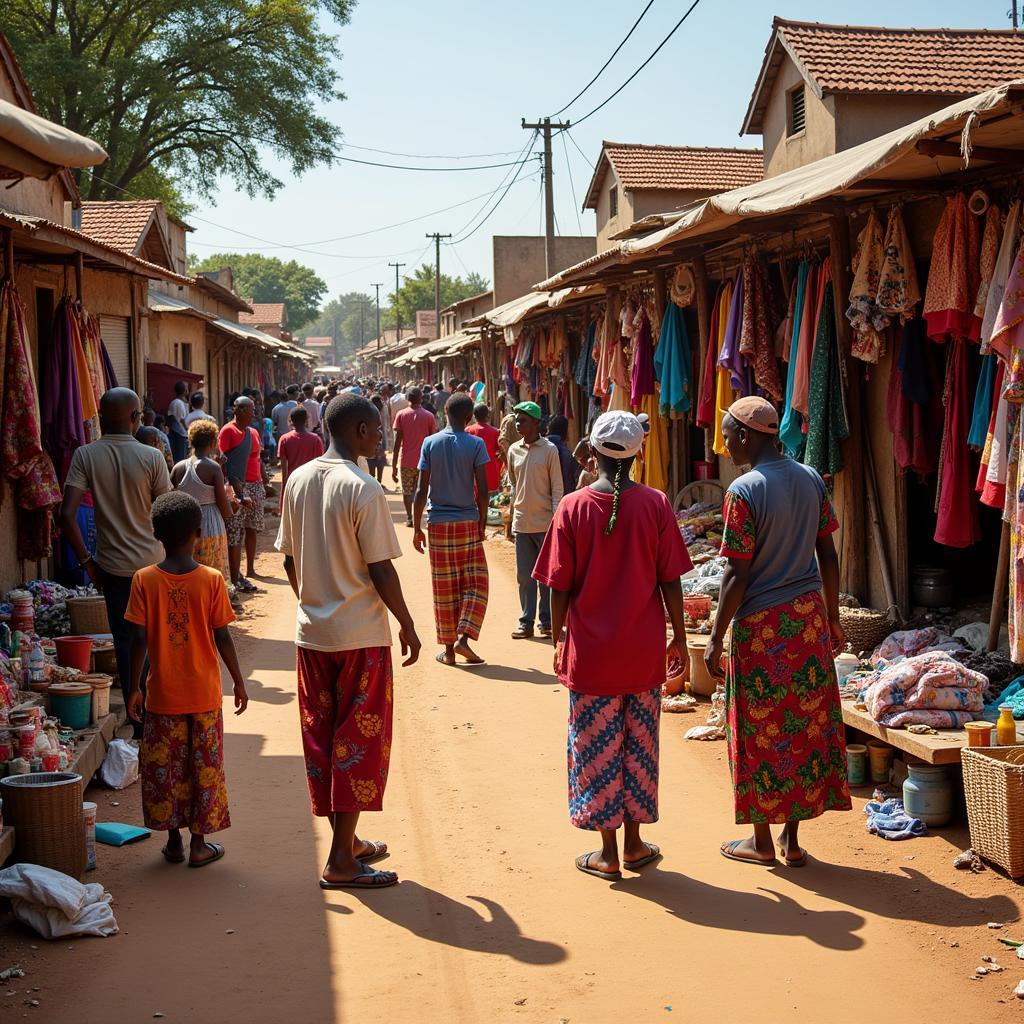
368 878
728 851
179 857
243 586
583 863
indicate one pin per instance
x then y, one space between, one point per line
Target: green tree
181 92
268 279
351 319
417 292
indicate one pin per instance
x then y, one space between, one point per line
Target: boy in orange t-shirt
180 611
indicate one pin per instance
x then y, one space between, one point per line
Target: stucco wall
859 118
818 138
519 261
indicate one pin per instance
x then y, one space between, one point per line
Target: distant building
269 317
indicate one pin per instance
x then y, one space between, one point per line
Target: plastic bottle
36 663
1006 727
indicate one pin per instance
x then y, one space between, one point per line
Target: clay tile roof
863 59
701 168
120 225
264 313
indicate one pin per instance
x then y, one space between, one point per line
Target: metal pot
932 588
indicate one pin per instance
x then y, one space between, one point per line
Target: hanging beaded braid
615 497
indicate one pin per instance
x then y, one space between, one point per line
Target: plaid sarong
458 573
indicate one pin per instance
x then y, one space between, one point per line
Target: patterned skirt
458 576
787 748
212 547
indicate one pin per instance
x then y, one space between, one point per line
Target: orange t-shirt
180 614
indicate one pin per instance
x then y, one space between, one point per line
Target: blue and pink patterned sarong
613 758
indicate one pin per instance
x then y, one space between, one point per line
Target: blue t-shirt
452 458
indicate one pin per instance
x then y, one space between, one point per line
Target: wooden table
943 748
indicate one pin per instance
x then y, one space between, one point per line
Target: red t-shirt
615 640
231 437
299 449
416 425
489 436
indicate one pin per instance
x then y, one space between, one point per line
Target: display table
943 748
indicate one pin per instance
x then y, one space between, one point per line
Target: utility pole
1013 11
362 322
437 279
398 311
545 126
378 285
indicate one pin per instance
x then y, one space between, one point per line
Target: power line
407 167
578 150
657 50
429 156
524 154
572 186
607 62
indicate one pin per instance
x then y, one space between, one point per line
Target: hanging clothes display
790 429
26 466
827 424
898 289
865 316
822 276
991 238
63 422
1013 509
654 471
741 375
1000 275
1008 328
991 484
724 393
705 416
953 277
585 370
672 362
642 376
913 405
757 332
982 402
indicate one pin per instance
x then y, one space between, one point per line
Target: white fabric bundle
55 904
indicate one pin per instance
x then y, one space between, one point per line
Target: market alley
491 922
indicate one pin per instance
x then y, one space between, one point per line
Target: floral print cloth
954 275
898 290
345 709
866 317
181 762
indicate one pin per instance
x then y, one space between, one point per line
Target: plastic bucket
856 763
72 704
881 760
101 685
89 815
74 652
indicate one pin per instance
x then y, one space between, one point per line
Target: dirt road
491 922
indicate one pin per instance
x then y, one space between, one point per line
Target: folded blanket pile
927 689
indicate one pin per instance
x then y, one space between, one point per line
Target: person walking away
481 427
201 477
240 444
453 475
179 613
149 419
379 462
558 428
198 403
338 543
439 399
125 478
312 407
280 413
396 403
478 387
781 584
413 426
508 432
298 446
613 558
536 477
177 412
154 438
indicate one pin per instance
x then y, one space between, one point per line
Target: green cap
530 408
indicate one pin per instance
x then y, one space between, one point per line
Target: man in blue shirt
453 476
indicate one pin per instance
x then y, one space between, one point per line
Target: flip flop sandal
584 866
218 852
442 659
799 862
636 865
173 858
726 852
380 851
244 586
362 881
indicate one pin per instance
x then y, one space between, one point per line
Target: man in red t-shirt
412 427
298 446
489 435
240 444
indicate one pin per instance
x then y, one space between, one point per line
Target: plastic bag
120 767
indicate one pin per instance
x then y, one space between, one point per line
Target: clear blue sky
455 76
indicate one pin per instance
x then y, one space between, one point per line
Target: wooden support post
849 484
79 271
999 592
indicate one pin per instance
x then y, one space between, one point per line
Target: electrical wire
524 155
407 167
578 150
607 62
428 156
657 50
572 186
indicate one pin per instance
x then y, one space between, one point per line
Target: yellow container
881 760
1006 727
979 734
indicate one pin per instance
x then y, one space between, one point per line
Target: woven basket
994 788
46 811
865 628
88 615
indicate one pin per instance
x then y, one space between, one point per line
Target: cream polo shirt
335 522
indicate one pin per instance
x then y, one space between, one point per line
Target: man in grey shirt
280 413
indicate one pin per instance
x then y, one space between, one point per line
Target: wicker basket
865 628
46 811
994 788
88 615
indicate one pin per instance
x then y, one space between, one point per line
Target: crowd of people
178 501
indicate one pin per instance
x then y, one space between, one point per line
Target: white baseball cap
617 435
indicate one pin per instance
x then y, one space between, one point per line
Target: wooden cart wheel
710 491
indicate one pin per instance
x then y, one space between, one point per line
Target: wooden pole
79 270
1001 586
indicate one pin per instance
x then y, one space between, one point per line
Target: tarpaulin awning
32 146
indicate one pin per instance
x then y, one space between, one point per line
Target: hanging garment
585 370
740 374
822 276
982 402
724 394
913 405
672 362
1000 275
63 425
898 290
790 432
957 524
991 483
827 425
953 276
867 320
991 238
654 471
1008 330
1013 510
642 377
757 333
709 377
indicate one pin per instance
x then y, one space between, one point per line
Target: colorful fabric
990 244
181 763
757 333
725 395
741 374
705 416
458 576
345 710
790 432
982 402
991 483
1000 274
913 409
827 424
818 280
787 749
953 276
250 518
867 319
613 759
898 289
672 363
410 478
212 549
642 374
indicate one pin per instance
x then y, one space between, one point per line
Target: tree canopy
180 92
417 292
351 319
268 279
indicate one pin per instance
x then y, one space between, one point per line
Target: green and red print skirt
787 748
